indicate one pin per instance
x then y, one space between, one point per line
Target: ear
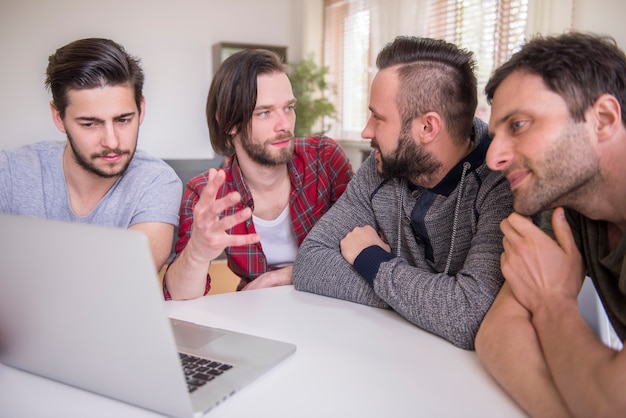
142 109
56 118
607 114
427 127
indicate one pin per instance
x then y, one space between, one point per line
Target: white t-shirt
277 239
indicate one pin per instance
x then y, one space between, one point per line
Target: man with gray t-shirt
97 176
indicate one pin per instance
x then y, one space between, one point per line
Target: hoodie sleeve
319 266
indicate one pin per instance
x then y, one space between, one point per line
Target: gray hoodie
444 269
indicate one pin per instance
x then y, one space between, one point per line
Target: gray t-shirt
32 183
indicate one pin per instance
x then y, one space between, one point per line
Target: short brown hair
90 63
579 67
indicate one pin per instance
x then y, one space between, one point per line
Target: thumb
562 231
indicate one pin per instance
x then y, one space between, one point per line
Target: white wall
173 40
601 16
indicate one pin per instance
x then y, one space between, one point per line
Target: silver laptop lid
81 304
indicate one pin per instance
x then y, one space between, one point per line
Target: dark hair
233 93
435 76
577 66
90 63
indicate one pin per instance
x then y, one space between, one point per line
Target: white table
351 361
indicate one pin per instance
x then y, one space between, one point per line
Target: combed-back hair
90 63
435 76
580 67
233 93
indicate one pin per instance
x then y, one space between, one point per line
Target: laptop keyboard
199 371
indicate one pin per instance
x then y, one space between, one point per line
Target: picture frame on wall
223 50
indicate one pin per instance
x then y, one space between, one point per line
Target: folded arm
545 277
319 266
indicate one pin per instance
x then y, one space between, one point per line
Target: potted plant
313 109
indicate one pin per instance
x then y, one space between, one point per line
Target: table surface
351 361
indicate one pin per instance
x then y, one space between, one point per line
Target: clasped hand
359 239
537 267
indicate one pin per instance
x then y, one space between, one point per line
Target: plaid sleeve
190 198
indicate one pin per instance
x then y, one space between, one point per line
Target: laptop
82 304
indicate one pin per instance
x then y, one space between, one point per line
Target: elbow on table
464 338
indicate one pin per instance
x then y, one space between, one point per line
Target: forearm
186 277
322 270
590 376
160 236
449 306
508 348
319 266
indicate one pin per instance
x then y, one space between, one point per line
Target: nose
286 121
499 154
368 132
110 137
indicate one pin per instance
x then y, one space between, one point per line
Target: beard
262 154
409 161
564 177
86 162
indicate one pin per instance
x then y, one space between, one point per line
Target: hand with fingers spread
535 265
186 277
208 234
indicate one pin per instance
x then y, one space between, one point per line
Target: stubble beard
565 177
260 152
87 165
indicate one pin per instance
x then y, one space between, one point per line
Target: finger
563 231
215 179
521 225
208 216
504 265
230 221
237 240
369 229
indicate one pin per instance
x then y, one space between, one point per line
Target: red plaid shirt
319 173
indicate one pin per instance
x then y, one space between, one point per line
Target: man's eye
517 125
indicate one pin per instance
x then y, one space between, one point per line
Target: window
346 54
492 29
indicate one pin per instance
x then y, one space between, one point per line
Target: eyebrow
502 120
265 107
371 109
95 119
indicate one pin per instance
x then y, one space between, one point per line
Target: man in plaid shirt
271 191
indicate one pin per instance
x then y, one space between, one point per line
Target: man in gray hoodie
417 229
